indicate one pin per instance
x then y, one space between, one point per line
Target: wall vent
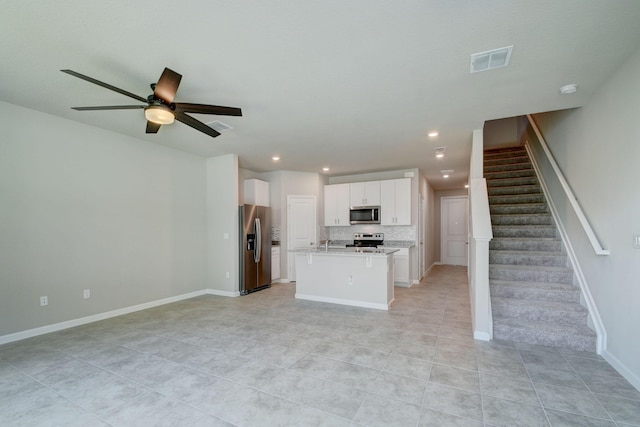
491 59
218 125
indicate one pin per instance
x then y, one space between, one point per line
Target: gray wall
222 220
598 149
84 208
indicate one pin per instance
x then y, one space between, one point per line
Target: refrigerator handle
258 248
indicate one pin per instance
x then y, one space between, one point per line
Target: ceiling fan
160 108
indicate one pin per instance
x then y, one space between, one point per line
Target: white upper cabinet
365 193
336 205
256 192
395 202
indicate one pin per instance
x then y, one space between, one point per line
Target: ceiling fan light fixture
159 114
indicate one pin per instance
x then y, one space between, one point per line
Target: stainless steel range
367 240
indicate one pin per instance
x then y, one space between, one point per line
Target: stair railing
481 234
591 235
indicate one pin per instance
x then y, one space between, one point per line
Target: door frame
291 277
443 222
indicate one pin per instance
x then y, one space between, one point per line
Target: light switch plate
636 241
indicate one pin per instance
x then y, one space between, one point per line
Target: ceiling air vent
491 59
218 125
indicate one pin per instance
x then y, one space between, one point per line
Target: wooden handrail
597 247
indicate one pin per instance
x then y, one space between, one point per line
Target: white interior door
422 235
301 228
454 230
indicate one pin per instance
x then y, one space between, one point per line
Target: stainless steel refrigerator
255 248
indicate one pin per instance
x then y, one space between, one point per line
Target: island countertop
345 251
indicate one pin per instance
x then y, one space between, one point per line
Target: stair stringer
595 321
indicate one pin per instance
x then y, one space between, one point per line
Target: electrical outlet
44 301
86 293
636 241
350 280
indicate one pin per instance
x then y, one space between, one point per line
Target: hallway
266 359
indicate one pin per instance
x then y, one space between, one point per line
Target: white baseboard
222 293
29 333
633 378
402 284
482 336
344 301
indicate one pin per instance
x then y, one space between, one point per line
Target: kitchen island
361 277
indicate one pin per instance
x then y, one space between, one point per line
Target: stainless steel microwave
364 215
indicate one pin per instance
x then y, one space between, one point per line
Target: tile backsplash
275 233
391 232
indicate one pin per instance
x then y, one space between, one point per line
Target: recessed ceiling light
446 173
466 186
325 169
445 176
276 158
568 89
433 134
439 152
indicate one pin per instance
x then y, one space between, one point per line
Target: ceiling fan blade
208 109
105 85
109 107
167 85
196 124
152 127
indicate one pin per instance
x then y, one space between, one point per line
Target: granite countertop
398 243
387 243
346 251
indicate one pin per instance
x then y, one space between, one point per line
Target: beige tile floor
267 359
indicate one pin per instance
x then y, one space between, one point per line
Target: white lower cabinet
275 263
401 267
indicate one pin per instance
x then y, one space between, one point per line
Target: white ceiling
355 85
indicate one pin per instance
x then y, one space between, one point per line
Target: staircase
533 297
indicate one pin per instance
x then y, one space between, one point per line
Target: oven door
364 215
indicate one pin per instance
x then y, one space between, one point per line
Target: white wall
84 208
222 221
598 149
295 184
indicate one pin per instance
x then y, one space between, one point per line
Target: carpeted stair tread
511 182
522 219
534 244
504 152
577 337
521 208
510 174
516 189
508 167
532 308
534 291
532 258
529 273
531 231
531 267
516 199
